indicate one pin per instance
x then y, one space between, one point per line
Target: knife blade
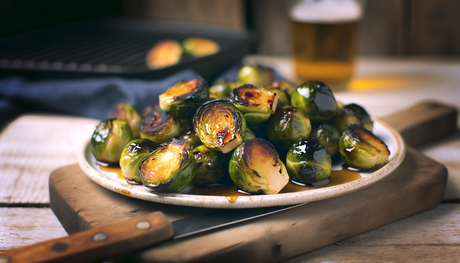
134 234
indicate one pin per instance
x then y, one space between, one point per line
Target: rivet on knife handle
99 243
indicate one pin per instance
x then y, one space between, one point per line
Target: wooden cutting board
417 185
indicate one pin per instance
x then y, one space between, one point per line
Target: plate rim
250 201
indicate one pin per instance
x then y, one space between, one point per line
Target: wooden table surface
33 145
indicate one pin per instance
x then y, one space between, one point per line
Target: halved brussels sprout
132 156
211 165
169 168
184 98
256 75
352 114
159 126
164 54
256 103
308 161
328 135
255 167
284 85
108 140
316 100
128 113
222 88
360 148
200 46
287 126
220 125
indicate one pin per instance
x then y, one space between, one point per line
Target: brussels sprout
169 168
200 47
248 134
189 135
256 103
316 100
256 75
164 54
109 139
255 167
132 156
283 98
352 114
360 148
328 135
211 166
128 113
159 126
222 88
184 98
287 126
285 86
220 125
308 161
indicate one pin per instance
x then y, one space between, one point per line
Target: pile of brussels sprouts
256 133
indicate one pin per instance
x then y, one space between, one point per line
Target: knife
151 229
126 236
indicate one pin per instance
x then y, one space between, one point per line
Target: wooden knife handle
99 243
424 123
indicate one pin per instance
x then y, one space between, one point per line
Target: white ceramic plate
111 181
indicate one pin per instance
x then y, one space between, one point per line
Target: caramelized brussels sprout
169 168
109 139
360 148
285 86
164 54
159 126
256 75
184 98
352 114
328 135
308 162
220 125
256 103
200 47
132 156
128 113
283 98
287 126
255 167
222 89
316 100
211 165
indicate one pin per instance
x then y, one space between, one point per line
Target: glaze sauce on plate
232 192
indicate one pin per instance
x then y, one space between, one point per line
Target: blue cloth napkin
91 98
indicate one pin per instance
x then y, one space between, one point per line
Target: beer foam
326 11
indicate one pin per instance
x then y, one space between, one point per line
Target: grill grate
108 46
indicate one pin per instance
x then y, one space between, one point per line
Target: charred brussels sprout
210 165
328 135
352 114
308 161
255 167
169 168
164 54
200 47
220 125
256 103
285 86
316 100
109 139
128 113
132 156
184 98
360 148
283 98
159 126
256 75
287 126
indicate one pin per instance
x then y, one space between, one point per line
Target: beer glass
324 37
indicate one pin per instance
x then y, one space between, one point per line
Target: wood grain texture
26 226
31 147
